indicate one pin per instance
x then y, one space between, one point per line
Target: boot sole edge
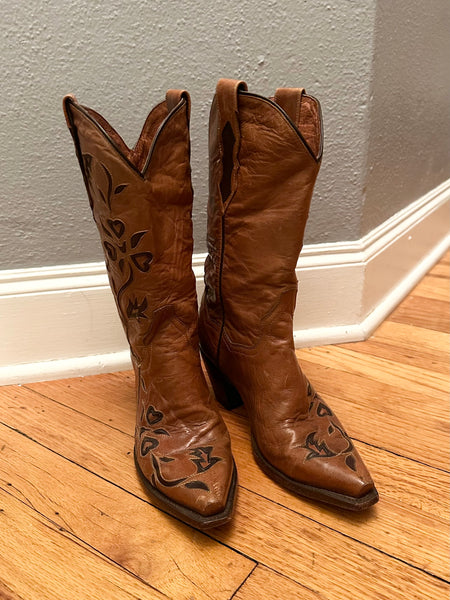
314 493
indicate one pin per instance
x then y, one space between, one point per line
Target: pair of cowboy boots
264 158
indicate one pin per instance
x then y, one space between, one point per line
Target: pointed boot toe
314 457
195 499
342 489
332 480
217 502
196 482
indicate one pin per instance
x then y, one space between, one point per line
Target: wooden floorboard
408 345
426 478
39 560
75 521
423 312
111 520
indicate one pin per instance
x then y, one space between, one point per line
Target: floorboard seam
346 535
145 500
250 491
242 418
243 582
415 460
79 412
83 544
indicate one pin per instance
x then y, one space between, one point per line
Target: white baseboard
347 289
61 321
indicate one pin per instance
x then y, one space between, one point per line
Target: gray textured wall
120 58
409 125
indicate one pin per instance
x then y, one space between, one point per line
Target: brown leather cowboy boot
264 158
141 200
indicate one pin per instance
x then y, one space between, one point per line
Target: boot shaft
141 201
264 158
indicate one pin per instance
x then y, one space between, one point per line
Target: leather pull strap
290 100
174 97
227 92
227 99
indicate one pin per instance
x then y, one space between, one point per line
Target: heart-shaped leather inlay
148 444
142 260
117 227
153 416
323 410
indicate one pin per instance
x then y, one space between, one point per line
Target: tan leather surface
142 202
254 239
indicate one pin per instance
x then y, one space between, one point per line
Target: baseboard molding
61 321
366 279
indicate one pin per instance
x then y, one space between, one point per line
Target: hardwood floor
75 522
